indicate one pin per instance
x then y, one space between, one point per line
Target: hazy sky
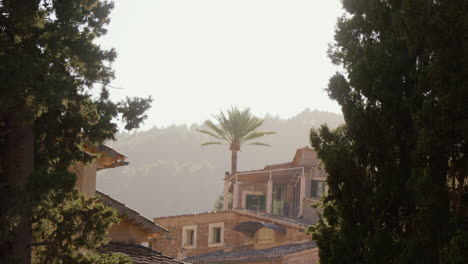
196 57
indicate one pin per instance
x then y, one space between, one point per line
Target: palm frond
259 144
225 124
235 127
211 143
209 133
221 133
253 124
256 134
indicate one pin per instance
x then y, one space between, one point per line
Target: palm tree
234 130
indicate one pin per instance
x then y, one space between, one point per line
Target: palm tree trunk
233 161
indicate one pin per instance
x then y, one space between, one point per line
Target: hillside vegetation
169 173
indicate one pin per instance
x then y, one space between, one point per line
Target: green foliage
234 130
397 170
51 70
218 206
70 226
133 110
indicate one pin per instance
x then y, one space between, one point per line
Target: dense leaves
68 226
398 169
53 79
219 203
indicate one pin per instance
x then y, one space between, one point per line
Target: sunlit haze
198 57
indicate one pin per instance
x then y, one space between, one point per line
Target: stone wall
311 214
126 231
173 246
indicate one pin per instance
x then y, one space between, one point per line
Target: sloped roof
138 253
290 164
290 221
148 225
275 253
303 158
249 228
310 157
110 156
279 165
282 220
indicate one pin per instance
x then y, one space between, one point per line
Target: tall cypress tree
398 168
50 69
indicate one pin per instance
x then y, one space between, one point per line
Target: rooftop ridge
192 214
274 253
262 216
138 253
145 222
277 165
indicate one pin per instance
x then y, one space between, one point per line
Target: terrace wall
173 246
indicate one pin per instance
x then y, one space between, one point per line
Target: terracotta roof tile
288 221
274 253
133 215
279 165
138 253
228 176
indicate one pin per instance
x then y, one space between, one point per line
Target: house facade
266 224
285 189
294 253
133 230
201 233
106 158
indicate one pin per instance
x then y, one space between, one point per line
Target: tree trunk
19 166
233 161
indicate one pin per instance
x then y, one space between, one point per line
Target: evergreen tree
398 168
219 203
68 227
50 69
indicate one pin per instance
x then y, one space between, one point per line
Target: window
189 237
317 188
215 235
255 202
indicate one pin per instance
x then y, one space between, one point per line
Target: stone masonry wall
173 246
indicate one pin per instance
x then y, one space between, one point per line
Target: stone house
295 253
236 235
266 224
286 189
133 230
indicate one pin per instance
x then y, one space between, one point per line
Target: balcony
277 191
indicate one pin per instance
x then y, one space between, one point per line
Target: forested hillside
169 173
